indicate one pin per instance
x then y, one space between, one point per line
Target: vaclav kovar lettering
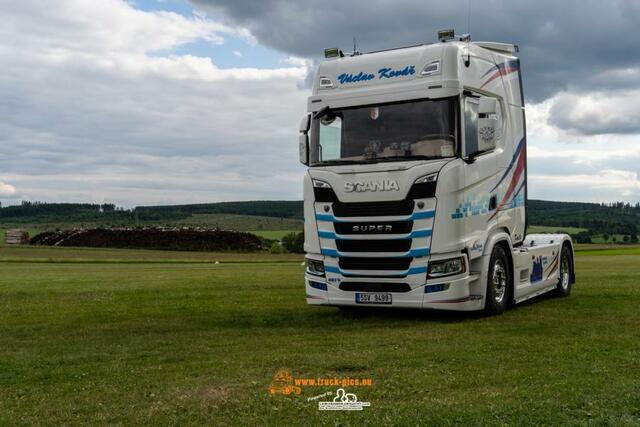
383 73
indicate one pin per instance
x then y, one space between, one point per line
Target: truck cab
416 188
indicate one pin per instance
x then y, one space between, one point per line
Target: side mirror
303 143
304 123
487 122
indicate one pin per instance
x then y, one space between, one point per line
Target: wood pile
16 237
177 239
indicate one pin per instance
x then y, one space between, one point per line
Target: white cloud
237 53
600 186
565 165
94 106
6 189
597 112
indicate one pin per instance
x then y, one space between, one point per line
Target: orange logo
283 383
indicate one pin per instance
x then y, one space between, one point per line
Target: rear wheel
498 282
563 288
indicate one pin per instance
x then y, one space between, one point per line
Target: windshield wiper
343 162
396 158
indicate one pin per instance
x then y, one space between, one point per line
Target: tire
563 288
498 292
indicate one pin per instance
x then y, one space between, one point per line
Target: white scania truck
416 190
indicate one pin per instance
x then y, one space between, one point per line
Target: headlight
447 267
432 177
320 184
315 267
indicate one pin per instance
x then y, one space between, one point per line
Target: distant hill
613 219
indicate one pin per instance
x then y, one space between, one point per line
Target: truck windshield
423 129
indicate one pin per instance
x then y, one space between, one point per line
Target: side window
330 138
470 126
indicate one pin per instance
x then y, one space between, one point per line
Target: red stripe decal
517 173
501 72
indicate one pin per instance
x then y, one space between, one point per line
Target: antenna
468 35
468 16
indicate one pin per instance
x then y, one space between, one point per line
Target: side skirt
536 293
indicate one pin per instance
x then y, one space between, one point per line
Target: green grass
100 255
198 343
274 234
552 229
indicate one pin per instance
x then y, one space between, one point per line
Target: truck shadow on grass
438 316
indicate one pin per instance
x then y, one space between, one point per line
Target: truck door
479 176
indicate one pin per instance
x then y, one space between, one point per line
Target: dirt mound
152 238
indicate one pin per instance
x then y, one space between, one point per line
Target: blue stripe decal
329 252
418 252
331 269
421 233
417 215
423 215
413 235
327 234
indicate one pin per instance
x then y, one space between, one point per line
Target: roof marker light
444 35
333 52
326 82
431 69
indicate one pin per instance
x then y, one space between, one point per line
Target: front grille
358 263
387 227
374 287
396 245
400 207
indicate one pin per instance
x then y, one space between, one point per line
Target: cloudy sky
179 101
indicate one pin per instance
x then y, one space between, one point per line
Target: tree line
607 219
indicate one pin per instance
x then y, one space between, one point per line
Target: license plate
373 298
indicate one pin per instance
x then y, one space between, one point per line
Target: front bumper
460 293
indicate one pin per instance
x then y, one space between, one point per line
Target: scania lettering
416 189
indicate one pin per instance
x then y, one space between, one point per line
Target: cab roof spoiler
499 47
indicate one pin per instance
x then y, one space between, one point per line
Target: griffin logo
362 186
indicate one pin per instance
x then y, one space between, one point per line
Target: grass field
551 229
179 343
274 234
242 222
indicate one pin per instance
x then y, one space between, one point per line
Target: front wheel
498 282
563 288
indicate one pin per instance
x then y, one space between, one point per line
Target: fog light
436 288
318 285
